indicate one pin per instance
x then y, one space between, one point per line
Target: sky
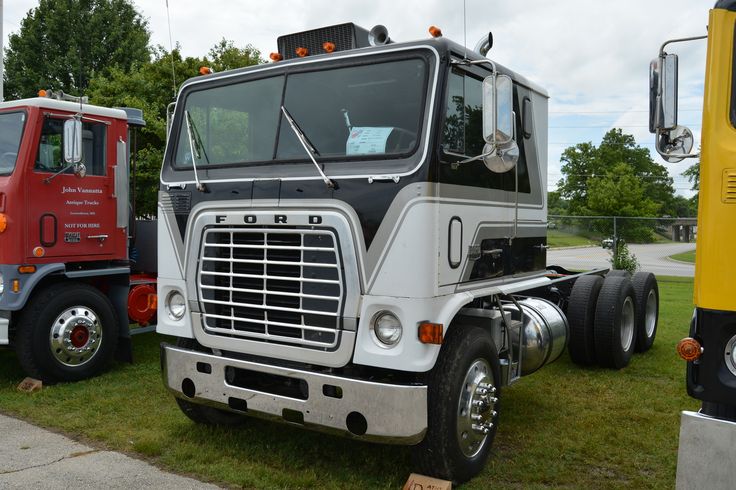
591 56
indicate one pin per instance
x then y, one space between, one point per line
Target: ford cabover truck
69 284
707 437
353 239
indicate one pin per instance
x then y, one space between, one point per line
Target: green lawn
685 257
558 238
564 426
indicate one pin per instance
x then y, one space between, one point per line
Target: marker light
328 47
301 52
276 57
689 349
27 269
16 286
430 333
3 222
39 252
42 93
205 70
435 31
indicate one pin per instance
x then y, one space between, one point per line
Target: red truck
73 274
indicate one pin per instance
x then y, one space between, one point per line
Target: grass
558 238
564 426
684 257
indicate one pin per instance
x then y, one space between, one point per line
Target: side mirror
663 93
499 121
73 141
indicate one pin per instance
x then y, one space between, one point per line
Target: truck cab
64 224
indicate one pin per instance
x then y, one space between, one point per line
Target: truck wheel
464 388
580 316
202 414
615 327
647 309
67 332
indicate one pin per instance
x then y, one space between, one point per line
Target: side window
463 136
51 147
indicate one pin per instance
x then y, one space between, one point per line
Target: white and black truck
353 239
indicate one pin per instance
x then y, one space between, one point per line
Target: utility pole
2 49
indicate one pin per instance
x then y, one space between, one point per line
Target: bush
623 259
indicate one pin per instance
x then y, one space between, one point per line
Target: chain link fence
664 246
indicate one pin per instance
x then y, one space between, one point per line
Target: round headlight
2 283
176 305
387 328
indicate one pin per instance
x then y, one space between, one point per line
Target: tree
693 176
585 162
62 45
149 86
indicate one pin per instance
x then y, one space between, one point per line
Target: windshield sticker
367 140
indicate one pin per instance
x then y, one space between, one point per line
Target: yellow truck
705 458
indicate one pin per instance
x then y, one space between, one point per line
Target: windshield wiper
311 151
195 144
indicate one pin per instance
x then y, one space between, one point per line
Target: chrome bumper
705 458
4 327
380 412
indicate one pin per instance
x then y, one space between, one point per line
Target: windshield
11 130
347 113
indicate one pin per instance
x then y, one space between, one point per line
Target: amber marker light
27 269
3 223
435 31
276 57
39 252
689 349
42 93
430 333
301 52
328 46
16 286
205 70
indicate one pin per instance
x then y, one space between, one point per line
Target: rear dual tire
615 323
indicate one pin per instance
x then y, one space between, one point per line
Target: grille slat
280 285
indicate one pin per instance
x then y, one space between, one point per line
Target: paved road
35 458
652 258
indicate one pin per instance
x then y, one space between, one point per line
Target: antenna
171 47
465 31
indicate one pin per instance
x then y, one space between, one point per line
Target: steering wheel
404 140
7 159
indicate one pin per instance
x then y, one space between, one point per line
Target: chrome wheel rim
650 315
475 410
627 323
75 336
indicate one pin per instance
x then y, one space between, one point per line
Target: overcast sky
592 56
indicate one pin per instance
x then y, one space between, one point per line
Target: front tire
67 332
463 393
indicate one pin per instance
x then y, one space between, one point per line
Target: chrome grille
281 285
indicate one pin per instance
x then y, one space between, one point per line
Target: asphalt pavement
31 457
652 258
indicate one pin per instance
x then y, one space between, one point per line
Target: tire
619 273
202 414
646 293
67 332
581 317
466 374
614 326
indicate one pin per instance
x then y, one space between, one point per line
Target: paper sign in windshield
367 140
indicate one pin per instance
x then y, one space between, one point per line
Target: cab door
73 218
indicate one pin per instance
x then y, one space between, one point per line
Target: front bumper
4 327
705 456
380 412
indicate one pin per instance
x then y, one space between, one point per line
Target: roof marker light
276 57
301 52
206 70
328 46
435 31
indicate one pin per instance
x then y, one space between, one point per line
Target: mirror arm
493 150
680 40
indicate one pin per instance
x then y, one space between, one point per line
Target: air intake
728 186
344 36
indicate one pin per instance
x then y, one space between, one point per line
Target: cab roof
63 105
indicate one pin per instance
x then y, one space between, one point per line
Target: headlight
387 328
2 283
176 305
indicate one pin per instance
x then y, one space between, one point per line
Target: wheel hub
475 414
627 323
650 319
75 336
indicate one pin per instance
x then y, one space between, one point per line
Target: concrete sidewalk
31 457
